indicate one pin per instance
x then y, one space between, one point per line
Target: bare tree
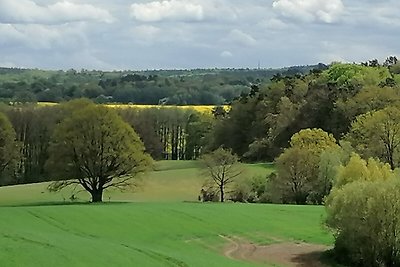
222 168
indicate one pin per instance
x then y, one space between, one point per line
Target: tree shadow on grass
317 259
312 259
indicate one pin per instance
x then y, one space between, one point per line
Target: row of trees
88 145
167 133
171 133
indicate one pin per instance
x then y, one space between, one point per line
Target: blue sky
175 34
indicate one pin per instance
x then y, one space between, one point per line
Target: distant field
199 108
159 228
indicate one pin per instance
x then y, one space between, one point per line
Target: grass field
171 181
159 229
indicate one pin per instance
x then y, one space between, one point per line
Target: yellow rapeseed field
199 108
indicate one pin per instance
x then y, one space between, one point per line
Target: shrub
364 211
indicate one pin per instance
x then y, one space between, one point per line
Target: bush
364 213
250 190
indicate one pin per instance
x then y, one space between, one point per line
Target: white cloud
388 15
241 38
42 37
146 33
226 54
194 33
173 10
326 11
273 24
28 11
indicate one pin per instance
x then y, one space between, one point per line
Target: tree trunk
391 161
221 191
97 195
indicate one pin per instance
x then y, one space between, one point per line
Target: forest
331 132
171 87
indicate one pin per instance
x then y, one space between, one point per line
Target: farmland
162 227
198 108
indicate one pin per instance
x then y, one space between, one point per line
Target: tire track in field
170 261
59 225
184 214
238 250
27 240
289 254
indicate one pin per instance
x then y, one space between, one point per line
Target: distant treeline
167 133
173 87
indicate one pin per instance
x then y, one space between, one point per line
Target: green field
159 229
171 181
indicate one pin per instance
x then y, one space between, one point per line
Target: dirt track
282 254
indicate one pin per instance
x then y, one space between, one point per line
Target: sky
183 34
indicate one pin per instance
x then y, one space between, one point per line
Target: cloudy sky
154 34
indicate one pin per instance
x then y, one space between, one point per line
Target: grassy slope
171 181
159 231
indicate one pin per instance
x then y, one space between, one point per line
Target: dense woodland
333 134
173 87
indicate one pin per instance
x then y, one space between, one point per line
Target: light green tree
369 99
315 140
377 134
8 147
298 170
363 212
329 162
94 148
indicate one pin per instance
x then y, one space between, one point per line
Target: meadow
160 224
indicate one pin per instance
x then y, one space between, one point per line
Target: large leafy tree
298 167
8 147
377 134
96 149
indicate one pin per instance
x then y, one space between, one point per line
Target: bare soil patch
283 254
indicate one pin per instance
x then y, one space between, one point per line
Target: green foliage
315 140
173 87
355 75
358 169
371 98
299 178
363 210
329 162
250 190
260 123
9 151
297 169
395 69
173 133
98 149
377 134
